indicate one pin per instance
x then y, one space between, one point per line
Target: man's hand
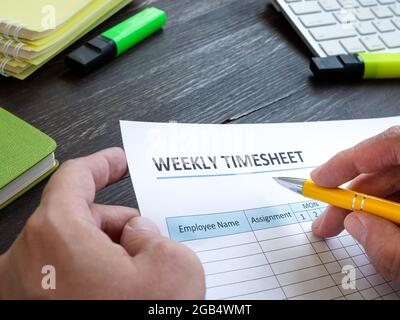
98 251
374 165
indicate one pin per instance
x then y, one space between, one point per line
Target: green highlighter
357 66
115 41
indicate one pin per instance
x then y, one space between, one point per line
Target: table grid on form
271 253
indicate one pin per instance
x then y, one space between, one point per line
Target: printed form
210 187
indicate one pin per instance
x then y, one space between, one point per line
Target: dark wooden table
217 61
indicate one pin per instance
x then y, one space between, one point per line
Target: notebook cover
34 183
108 13
21 147
70 26
33 15
87 19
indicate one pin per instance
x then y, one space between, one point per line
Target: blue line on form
229 174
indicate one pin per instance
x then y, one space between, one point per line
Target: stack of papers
33 32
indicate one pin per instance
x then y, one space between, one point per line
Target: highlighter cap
116 40
345 66
91 55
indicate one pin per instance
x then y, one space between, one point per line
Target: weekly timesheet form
211 188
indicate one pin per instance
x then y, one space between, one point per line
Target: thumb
170 269
138 234
380 239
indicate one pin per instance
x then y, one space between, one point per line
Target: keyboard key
332 32
317 20
384 25
386 1
329 5
368 3
391 40
365 28
290 1
332 48
305 7
345 16
395 9
364 14
352 45
372 43
349 3
382 12
396 22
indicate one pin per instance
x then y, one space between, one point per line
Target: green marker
116 40
357 66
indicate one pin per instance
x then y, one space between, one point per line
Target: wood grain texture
217 61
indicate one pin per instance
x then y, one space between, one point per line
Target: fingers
372 155
394 197
138 234
380 239
373 161
112 219
330 223
381 184
168 269
80 178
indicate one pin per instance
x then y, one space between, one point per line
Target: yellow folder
34 19
32 50
83 22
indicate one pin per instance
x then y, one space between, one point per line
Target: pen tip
294 184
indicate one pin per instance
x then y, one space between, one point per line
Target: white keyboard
332 27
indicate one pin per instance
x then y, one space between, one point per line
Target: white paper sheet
211 188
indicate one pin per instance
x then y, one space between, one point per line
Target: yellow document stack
34 31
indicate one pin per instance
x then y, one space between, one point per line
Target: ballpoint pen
343 198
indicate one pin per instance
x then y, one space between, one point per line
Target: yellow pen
343 198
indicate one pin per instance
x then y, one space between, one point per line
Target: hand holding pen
374 168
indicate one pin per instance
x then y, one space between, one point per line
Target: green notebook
26 157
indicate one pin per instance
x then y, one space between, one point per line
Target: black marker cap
345 66
91 55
